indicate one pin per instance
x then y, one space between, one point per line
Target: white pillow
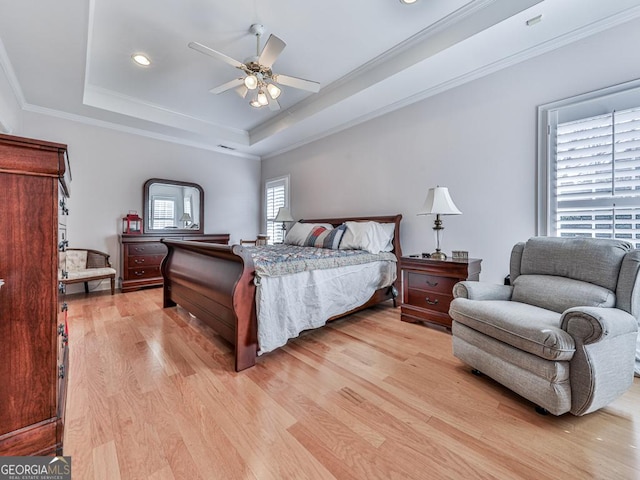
390 229
298 234
369 236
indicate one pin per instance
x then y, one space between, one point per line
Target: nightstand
427 287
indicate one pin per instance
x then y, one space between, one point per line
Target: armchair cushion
525 327
560 293
581 259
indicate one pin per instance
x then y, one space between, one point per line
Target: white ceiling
72 58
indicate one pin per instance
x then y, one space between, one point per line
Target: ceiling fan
259 77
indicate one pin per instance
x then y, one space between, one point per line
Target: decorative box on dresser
34 181
141 256
427 287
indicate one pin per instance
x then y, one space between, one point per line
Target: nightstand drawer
430 283
431 301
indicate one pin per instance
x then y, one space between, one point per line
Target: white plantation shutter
276 196
597 177
163 212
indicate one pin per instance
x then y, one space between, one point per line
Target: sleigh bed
217 284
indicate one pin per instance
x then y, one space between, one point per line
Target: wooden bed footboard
215 283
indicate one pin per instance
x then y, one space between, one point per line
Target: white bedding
287 305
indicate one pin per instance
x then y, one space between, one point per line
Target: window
163 212
276 196
590 173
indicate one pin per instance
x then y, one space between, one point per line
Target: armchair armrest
593 324
602 366
482 291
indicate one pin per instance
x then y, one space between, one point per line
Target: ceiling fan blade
242 90
271 50
213 53
273 103
295 82
236 82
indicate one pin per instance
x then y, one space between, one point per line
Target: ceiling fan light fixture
141 59
262 98
408 2
254 103
273 90
251 82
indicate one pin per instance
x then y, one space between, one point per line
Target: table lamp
284 215
438 203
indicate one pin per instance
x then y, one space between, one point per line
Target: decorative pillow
320 237
369 236
298 233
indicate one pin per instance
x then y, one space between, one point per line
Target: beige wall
478 139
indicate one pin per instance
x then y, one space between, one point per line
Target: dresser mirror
171 206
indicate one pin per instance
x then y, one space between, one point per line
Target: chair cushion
90 273
591 260
525 327
560 293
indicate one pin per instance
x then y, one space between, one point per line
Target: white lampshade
262 98
185 217
439 202
273 91
251 82
284 215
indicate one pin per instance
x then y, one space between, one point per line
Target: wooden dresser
427 287
34 182
141 256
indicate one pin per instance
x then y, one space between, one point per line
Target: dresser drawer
430 283
135 261
143 272
150 248
438 302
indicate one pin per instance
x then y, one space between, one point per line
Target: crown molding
10 74
135 131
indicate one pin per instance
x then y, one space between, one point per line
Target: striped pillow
321 237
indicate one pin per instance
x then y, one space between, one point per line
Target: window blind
275 198
163 212
597 176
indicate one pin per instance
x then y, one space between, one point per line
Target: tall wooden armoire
34 186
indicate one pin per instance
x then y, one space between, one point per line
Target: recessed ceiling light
141 59
408 2
534 20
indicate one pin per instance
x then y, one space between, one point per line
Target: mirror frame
172 231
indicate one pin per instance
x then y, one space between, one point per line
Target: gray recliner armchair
564 334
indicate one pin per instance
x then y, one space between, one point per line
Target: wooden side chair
85 265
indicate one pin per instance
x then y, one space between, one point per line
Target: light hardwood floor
152 395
